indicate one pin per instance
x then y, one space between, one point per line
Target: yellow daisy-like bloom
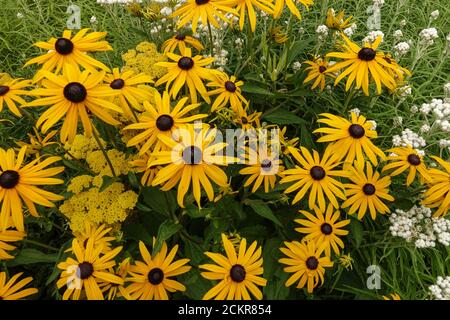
205 11
195 159
10 290
346 261
316 71
11 92
366 191
359 63
306 263
71 51
407 158
238 273
131 94
279 35
291 4
73 96
396 71
161 119
248 121
89 268
392 296
6 236
98 234
337 22
262 167
324 229
181 41
228 91
286 142
151 277
188 70
438 193
114 290
352 139
37 143
149 172
317 175
243 6
20 183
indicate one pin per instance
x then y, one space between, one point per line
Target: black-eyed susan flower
181 41
263 167
12 290
148 172
286 142
336 21
161 119
351 139
346 261
20 182
292 5
114 290
362 65
316 175
438 193
278 35
151 278
392 296
366 191
246 7
228 90
239 272
194 158
73 96
306 263
324 228
11 92
6 237
88 267
396 71
247 121
316 72
72 51
206 11
405 158
37 142
100 235
131 92
185 69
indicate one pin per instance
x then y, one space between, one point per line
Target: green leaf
263 210
283 117
251 88
137 232
166 230
107 181
160 201
357 232
306 138
30 256
196 212
132 178
194 251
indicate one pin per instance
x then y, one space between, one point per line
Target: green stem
102 148
211 41
42 245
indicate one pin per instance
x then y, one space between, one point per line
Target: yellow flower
438 193
324 229
113 289
143 60
81 146
306 263
352 139
19 182
247 5
346 261
11 91
142 165
393 296
238 273
291 4
317 175
366 191
228 91
287 143
10 290
396 71
151 278
316 70
73 96
37 143
278 35
87 268
71 51
98 234
247 121
337 22
188 70
8 235
180 41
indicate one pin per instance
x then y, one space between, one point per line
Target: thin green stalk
211 41
42 245
102 148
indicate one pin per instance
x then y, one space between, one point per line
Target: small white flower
355 111
401 49
93 20
296 66
373 35
403 23
20 15
447 88
166 11
398 34
435 14
322 31
428 35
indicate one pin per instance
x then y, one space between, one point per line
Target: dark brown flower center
367 54
9 179
164 122
317 173
326 228
155 276
3 90
322 69
266 164
369 189
180 37
200 2
244 120
414 159
230 86
85 270
312 263
117 84
237 273
192 155
185 63
356 131
64 46
75 92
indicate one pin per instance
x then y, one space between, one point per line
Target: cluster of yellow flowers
143 60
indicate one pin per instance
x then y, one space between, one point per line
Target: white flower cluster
350 30
404 91
427 36
322 31
401 49
447 88
434 15
19 15
166 11
373 35
408 138
296 66
118 1
378 3
441 289
416 225
398 34
440 109
221 58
